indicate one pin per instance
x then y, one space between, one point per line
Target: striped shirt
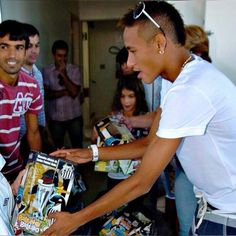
15 101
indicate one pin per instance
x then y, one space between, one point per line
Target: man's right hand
77 155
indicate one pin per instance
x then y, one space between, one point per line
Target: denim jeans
185 201
74 128
212 228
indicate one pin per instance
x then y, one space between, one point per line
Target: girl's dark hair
132 83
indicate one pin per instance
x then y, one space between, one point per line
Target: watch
94 152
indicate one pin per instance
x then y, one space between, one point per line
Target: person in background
129 100
29 67
196 120
197 41
20 96
152 93
62 83
121 63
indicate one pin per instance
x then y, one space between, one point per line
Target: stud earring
161 52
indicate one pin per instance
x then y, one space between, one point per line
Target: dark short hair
15 30
31 30
165 14
122 56
59 44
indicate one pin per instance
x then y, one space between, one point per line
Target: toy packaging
111 132
45 188
135 224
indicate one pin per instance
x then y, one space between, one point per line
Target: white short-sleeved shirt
6 203
200 107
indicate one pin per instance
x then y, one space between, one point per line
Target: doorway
105 40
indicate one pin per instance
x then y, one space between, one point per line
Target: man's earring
161 52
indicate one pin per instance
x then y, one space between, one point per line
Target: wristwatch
94 149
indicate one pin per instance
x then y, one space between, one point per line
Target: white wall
221 21
192 10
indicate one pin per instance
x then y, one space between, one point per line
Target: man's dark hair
59 44
15 30
122 56
166 16
30 30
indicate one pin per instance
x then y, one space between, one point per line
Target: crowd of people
178 106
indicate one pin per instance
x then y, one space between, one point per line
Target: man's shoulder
23 77
72 66
36 69
48 67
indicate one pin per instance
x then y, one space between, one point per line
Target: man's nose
130 61
12 52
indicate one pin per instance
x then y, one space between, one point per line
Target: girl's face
128 100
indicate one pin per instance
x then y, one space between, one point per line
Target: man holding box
19 95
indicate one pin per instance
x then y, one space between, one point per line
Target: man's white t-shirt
200 107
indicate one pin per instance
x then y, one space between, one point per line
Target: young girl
129 100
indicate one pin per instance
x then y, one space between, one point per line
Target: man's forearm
142 121
134 150
128 190
34 140
53 94
72 88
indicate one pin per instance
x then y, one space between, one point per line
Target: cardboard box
45 188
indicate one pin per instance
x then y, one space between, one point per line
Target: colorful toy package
133 224
45 188
111 132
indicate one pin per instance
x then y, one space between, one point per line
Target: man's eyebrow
7 44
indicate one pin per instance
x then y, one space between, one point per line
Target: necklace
190 58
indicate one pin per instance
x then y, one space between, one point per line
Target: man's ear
160 41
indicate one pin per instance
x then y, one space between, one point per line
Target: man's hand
63 225
15 185
62 68
77 155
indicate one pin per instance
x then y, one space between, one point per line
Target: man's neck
8 79
177 59
28 67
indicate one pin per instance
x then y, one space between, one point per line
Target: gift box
111 133
45 188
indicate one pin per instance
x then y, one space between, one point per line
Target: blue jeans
74 128
185 201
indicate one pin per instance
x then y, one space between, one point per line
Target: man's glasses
140 9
